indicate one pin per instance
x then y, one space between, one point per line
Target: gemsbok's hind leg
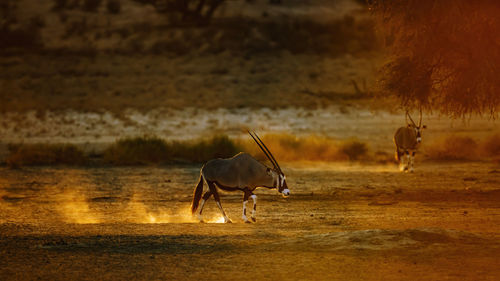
213 189
401 160
203 201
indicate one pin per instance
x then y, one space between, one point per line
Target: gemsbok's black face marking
418 132
280 184
283 189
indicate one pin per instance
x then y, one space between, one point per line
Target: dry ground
342 222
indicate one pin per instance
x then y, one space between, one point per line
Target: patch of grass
139 150
200 151
44 154
490 147
354 149
286 147
153 150
453 147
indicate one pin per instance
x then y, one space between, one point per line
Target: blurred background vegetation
119 56
107 55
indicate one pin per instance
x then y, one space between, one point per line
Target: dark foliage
186 11
91 5
113 6
13 34
44 154
153 150
445 54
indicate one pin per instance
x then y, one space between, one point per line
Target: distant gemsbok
241 172
407 140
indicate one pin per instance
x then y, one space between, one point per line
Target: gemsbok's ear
424 127
268 170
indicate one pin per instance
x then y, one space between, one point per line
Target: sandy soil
342 222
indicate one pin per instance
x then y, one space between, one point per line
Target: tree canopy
443 54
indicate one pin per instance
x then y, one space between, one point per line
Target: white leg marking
254 197
407 164
244 216
412 159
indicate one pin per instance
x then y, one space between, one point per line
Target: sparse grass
200 151
139 150
286 147
150 150
453 147
153 150
354 149
490 148
44 154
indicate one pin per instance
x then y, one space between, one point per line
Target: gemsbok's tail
197 195
397 155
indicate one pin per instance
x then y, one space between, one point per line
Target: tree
444 54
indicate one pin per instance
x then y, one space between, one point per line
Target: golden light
215 220
219 220
152 219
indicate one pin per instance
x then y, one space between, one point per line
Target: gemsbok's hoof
254 219
228 221
247 221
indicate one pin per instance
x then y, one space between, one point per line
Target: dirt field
342 222
302 68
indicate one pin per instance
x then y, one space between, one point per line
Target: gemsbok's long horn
408 114
420 121
263 150
269 151
266 151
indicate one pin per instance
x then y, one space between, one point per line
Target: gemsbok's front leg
412 160
406 161
254 210
245 201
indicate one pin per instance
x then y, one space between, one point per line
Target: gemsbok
241 172
407 140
